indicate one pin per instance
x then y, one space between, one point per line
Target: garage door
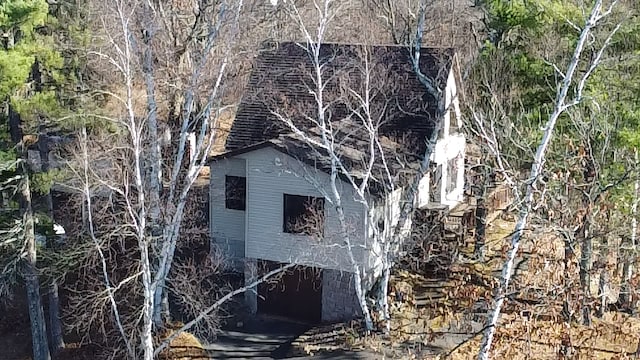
296 294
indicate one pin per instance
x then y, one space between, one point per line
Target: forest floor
437 318
444 318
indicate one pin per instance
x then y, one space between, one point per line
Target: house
268 203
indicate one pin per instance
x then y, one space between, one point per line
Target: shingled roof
282 83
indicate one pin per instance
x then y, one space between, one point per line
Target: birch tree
326 140
154 211
628 244
314 37
136 177
569 94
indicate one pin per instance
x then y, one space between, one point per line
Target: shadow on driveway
266 337
260 337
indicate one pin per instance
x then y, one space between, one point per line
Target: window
454 110
452 174
303 215
436 181
235 192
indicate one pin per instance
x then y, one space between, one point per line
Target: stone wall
339 300
251 275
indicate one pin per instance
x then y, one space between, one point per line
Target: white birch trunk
138 211
154 178
560 106
383 297
140 221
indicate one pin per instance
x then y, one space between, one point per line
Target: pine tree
30 73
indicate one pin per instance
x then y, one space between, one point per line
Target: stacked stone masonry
339 300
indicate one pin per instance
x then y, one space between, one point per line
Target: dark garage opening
295 294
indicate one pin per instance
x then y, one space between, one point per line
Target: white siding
227 226
455 143
452 106
270 174
388 209
452 144
423 191
446 149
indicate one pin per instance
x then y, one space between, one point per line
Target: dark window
452 174
380 224
436 181
303 215
235 192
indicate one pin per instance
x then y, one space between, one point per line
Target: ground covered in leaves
442 318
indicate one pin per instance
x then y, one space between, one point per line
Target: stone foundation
339 300
250 275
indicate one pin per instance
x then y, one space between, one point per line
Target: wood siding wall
270 174
227 226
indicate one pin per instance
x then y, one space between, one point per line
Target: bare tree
628 244
155 225
137 178
325 140
331 133
445 23
563 102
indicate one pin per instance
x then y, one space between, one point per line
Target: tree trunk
383 299
55 325
628 246
480 233
30 273
568 256
584 238
560 107
146 336
153 178
358 272
36 314
603 285
624 299
603 281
